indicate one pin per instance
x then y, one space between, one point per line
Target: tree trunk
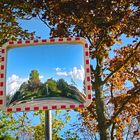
100 107
100 114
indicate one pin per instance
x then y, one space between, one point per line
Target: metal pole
48 122
48 125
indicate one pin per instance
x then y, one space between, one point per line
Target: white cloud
58 69
41 77
59 73
75 73
13 83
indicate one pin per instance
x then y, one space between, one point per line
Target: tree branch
112 131
123 105
44 22
87 37
119 67
83 30
137 131
128 130
92 69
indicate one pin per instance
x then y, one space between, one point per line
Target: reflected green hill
33 89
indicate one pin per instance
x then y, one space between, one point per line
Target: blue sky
45 58
36 25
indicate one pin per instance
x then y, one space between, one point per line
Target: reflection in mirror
45 74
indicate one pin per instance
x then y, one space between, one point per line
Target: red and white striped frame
14 44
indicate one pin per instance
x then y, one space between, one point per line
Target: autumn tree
115 80
59 120
15 126
10 28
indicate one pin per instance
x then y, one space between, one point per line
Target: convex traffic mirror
44 74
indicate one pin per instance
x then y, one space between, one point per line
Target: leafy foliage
4 124
114 110
9 27
14 126
59 120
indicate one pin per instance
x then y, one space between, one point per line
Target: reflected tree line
34 89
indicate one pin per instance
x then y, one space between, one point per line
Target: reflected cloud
58 69
13 83
62 73
74 74
41 77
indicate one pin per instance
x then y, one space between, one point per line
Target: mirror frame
20 43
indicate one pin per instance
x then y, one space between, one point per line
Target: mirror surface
45 74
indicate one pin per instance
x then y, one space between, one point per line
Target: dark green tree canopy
34 80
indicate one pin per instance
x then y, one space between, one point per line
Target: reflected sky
52 61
